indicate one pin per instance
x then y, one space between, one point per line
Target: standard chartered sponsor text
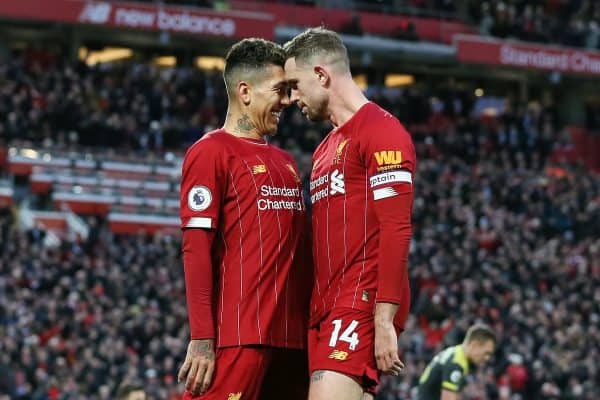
319 181
315 183
576 61
266 190
533 58
267 204
319 195
270 204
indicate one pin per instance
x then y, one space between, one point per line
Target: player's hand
386 349
198 367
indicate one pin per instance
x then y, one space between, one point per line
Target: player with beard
362 194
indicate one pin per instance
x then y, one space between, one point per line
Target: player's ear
244 92
322 75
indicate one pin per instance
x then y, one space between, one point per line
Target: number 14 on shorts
348 335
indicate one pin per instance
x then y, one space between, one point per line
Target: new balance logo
96 13
259 169
337 183
338 355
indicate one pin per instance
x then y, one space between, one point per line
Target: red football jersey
370 157
250 193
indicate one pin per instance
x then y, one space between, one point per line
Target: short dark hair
480 333
127 388
249 56
318 42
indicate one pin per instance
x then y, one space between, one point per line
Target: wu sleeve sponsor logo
388 159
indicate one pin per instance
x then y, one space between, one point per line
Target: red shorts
253 372
344 342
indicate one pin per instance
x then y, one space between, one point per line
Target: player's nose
285 100
294 96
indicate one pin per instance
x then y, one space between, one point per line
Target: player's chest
337 168
256 173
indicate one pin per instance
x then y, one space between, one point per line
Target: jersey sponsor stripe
341 284
316 239
237 200
276 167
223 275
278 221
328 243
199 222
364 258
260 267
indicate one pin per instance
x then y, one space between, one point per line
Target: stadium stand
571 23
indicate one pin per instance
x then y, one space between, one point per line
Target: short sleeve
389 156
202 186
453 377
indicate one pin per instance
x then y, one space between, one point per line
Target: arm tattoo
317 376
244 124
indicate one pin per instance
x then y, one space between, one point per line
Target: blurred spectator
406 31
568 23
353 27
131 391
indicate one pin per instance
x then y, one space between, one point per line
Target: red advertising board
153 17
430 29
479 50
135 223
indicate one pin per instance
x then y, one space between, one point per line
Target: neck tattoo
244 125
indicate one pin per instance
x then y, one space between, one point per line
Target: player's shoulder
377 120
213 140
379 116
457 359
282 153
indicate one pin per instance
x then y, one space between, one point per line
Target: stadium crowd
570 23
501 235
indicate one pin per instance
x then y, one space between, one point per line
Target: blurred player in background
362 193
445 375
131 391
243 218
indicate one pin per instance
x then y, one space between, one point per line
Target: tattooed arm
198 366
